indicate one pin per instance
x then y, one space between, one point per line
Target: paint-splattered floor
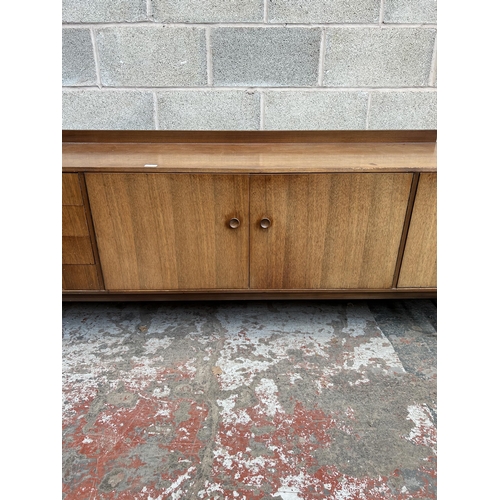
247 401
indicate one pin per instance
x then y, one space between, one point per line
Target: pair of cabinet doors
161 231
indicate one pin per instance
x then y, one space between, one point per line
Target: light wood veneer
352 214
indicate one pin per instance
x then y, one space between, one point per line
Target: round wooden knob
265 223
234 223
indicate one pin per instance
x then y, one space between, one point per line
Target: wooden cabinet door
327 230
419 266
170 231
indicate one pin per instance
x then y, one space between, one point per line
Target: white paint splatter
176 495
287 495
254 343
357 321
209 489
352 488
267 392
322 383
369 354
140 376
363 380
171 321
266 349
255 465
347 491
424 432
152 345
291 486
189 367
159 393
230 416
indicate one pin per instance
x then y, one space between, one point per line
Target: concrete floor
255 400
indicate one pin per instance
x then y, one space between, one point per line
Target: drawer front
71 192
77 250
78 277
76 241
74 221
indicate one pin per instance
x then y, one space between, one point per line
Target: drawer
76 242
80 278
71 193
77 250
74 221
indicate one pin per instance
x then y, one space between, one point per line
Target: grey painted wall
249 64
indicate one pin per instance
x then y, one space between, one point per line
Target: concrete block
410 11
107 110
78 64
208 11
373 57
155 56
208 110
103 11
266 56
320 110
403 110
324 11
434 77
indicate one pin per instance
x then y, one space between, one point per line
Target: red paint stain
287 445
424 435
111 441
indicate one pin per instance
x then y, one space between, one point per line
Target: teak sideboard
177 215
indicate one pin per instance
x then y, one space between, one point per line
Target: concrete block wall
249 64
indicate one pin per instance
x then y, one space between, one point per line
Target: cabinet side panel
419 266
327 231
170 231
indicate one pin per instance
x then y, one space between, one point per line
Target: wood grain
90 224
76 243
162 231
71 194
419 266
158 228
327 231
260 136
77 250
251 158
74 221
79 278
406 227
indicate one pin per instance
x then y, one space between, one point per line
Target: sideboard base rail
421 293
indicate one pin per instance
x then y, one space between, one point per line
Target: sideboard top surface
407 151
